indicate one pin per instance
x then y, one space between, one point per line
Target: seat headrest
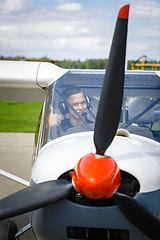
138 106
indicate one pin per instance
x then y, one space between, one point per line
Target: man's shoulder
65 124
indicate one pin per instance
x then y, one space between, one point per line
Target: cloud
69 7
146 9
66 29
47 31
144 29
9 6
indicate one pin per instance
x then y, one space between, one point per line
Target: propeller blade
109 109
138 215
34 197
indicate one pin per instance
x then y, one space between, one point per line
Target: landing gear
8 229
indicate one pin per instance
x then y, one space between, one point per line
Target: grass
19 116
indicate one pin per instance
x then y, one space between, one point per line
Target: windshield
72 103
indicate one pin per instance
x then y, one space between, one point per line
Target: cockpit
140 112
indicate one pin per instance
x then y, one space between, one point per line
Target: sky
76 29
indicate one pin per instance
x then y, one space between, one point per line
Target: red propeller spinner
96 177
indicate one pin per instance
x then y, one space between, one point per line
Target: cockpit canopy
140 109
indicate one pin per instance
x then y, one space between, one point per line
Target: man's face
77 101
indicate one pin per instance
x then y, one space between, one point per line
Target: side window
38 134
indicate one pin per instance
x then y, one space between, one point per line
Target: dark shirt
66 125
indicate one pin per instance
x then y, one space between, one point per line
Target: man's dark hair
70 91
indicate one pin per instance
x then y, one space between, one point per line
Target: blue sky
76 29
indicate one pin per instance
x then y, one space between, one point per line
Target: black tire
8 229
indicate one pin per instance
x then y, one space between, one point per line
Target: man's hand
54 119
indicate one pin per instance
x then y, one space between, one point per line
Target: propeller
139 216
96 176
110 103
34 197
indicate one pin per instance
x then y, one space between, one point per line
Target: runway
16 151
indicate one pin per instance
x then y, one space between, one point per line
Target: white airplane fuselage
67 218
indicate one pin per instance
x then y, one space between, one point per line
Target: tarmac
16 150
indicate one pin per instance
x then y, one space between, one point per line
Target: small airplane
96 176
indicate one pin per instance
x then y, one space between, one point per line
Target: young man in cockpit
77 100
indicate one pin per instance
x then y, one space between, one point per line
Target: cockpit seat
142 125
137 107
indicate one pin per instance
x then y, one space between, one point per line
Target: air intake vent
97 233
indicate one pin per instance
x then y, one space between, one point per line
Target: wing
26 81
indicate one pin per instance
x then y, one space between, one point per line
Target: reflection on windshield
73 106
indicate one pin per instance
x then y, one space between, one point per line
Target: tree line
76 64
87 64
